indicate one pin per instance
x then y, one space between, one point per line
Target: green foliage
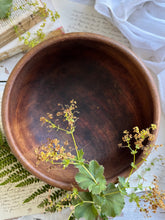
85 207
133 197
9 165
100 199
79 157
123 185
53 197
7 160
91 177
113 201
39 35
38 192
15 173
54 208
28 181
5 6
10 170
55 201
72 217
16 176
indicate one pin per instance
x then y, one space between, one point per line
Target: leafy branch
98 198
29 40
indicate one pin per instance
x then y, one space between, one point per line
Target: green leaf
133 165
80 154
79 157
123 185
134 197
122 181
112 202
140 177
91 177
85 208
66 163
140 186
5 6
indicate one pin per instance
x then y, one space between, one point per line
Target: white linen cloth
142 22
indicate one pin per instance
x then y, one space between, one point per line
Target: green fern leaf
28 181
38 192
54 207
3 141
16 173
16 177
54 196
10 170
6 161
4 151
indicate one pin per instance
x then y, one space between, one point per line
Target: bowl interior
111 87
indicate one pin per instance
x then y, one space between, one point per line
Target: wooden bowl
112 87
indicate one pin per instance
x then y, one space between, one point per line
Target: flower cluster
39 34
52 151
68 112
138 137
154 198
98 199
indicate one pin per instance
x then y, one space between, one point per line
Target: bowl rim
55 40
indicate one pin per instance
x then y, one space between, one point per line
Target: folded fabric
142 22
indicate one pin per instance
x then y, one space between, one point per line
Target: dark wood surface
113 89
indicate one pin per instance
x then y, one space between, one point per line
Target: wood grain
24 48
113 89
20 20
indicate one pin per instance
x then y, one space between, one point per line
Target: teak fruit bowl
112 87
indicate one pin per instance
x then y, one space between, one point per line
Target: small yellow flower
55 141
66 143
50 116
136 129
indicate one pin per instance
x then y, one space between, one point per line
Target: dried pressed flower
50 116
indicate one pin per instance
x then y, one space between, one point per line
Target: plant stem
112 193
134 159
70 214
74 141
90 174
90 202
75 145
55 126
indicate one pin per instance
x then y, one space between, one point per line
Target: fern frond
6 161
53 197
52 209
20 175
16 176
55 206
1 138
3 141
15 172
38 192
4 151
28 181
7 171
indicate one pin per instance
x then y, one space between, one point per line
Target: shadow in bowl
113 89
